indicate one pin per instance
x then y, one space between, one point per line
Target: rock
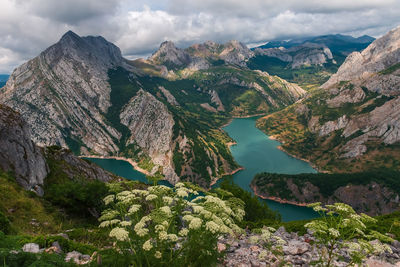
18 153
31 248
151 130
77 258
221 247
295 247
396 244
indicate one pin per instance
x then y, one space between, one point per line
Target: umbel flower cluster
162 225
341 227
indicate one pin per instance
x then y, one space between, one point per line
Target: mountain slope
164 112
352 122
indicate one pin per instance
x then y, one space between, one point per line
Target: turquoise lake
254 151
257 153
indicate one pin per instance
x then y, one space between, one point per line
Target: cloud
27 27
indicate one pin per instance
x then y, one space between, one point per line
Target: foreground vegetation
156 219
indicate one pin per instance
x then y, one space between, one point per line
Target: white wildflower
263 255
166 210
151 197
172 237
195 223
163 235
180 192
133 209
167 200
212 227
333 232
158 254
147 245
120 234
104 224
125 223
187 218
183 232
159 228
177 185
108 199
108 215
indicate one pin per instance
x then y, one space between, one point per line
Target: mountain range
164 112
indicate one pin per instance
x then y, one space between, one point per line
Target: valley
197 146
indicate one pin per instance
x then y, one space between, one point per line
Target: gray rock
295 247
73 256
18 153
31 248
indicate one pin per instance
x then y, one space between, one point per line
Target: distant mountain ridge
337 43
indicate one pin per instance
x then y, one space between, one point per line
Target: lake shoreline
134 164
278 199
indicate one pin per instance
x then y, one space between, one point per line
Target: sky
27 27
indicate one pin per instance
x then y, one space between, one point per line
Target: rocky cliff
18 153
29 163
353 121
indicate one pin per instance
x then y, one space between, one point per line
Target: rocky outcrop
150 124
168 54
252 249
303 55
63 93
360 66
18 153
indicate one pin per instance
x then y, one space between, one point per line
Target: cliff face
150 125
18 153
28 162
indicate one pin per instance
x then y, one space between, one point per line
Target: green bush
5 226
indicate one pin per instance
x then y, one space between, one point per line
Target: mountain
3 79
164 112
306 61
352 122
337 43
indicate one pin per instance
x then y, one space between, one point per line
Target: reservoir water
254 151
257 153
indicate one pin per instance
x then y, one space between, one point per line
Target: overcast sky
138 27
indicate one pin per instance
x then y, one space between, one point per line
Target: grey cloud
71 12
29 26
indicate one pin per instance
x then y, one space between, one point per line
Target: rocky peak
169 54
235 52
379 55
90 49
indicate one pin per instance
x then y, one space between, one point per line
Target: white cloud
29 26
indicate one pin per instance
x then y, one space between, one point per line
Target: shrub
340 227
4 223
164 226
